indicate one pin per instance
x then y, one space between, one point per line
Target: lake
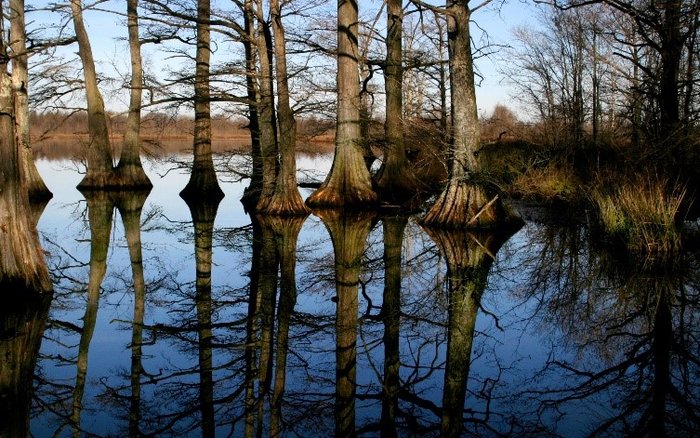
177 320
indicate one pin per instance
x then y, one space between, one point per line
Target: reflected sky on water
346 324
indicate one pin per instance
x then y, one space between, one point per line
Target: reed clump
642 213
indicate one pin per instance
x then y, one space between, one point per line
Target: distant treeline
62 134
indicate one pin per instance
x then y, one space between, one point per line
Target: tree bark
266 110
130 170
464 203
100 169
285 200
252 192
396 182
22 262
203 182
349 183
36 187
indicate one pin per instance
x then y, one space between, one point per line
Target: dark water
346 324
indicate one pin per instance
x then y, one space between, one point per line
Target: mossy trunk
285 200
36 187
349 184
348 233
22 261
100 170
469 257
396 182
464 202
203 182
130 171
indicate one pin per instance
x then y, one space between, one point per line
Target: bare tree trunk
203 182
20 81
100 170
22 262
396 182
266 111
129 170
252 192
349 183
464 203
286 199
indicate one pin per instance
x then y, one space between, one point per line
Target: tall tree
464 202
20 81
100 169
348 183
22 262
286 199
129 170
203 182
396 181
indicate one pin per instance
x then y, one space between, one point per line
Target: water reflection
346 324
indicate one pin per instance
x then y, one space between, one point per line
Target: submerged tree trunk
129 170
464 203
348 183
20 82
100 170
469 257
22 262
286 199
396 182
203 182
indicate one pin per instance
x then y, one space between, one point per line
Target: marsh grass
642 213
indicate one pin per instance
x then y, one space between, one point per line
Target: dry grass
549 183
642 212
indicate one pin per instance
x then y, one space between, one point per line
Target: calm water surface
177 320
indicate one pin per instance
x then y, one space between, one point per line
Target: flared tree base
132 177
466 205
283 203
348 197
202 185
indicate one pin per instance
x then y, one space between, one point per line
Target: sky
108 32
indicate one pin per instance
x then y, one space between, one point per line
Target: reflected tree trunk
469 257
203 182
391 316
20 83
100 170
348 183
100 208
129 170
203 216
130 206
349 232
286 231
22 320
